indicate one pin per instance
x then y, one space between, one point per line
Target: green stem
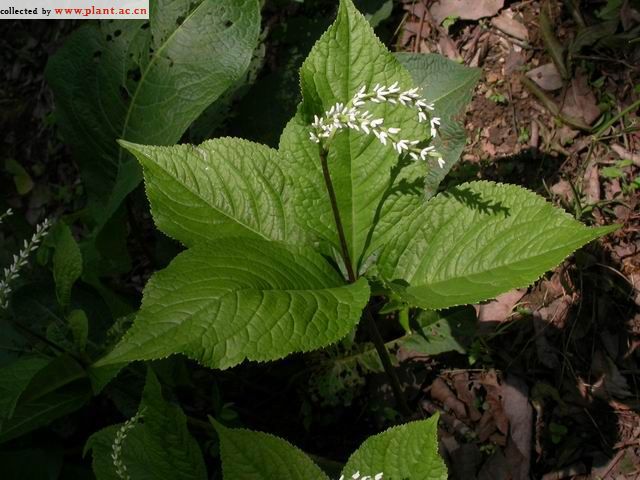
336 216
634 106
378 342
383 353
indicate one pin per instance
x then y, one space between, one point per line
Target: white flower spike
341 116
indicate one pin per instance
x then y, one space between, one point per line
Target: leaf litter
568 407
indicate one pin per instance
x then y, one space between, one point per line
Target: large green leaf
158 448
406 451
241 298
476 241
56 390
14 379
449 86
223 188
145 81
347 57
67 264
249 455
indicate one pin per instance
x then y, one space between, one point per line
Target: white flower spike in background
341 116
12 272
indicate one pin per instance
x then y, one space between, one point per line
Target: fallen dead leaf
465 9
546 77
580 101
448 48
591 184
498 310
625 154
516 406
486 426
461 384
506 23
513 62
493 388
441 392
563 190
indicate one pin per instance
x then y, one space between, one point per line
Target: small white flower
401 146
425 151
441 162
435 121
394 88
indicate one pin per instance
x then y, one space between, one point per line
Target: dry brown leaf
566 134
486 426
563 190
546 77
413 27
506 23
513 62
498 310
516 406
494 390
447 48
591 184
441 392
465 9
625 154
461 383
580 101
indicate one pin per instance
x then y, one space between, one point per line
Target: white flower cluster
20 260
341 116
116 447
356 476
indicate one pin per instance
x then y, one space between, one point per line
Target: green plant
286 251
284 244
284 247
498 97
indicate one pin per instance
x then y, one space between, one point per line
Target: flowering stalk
116 447
20 260
350 116
6 214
